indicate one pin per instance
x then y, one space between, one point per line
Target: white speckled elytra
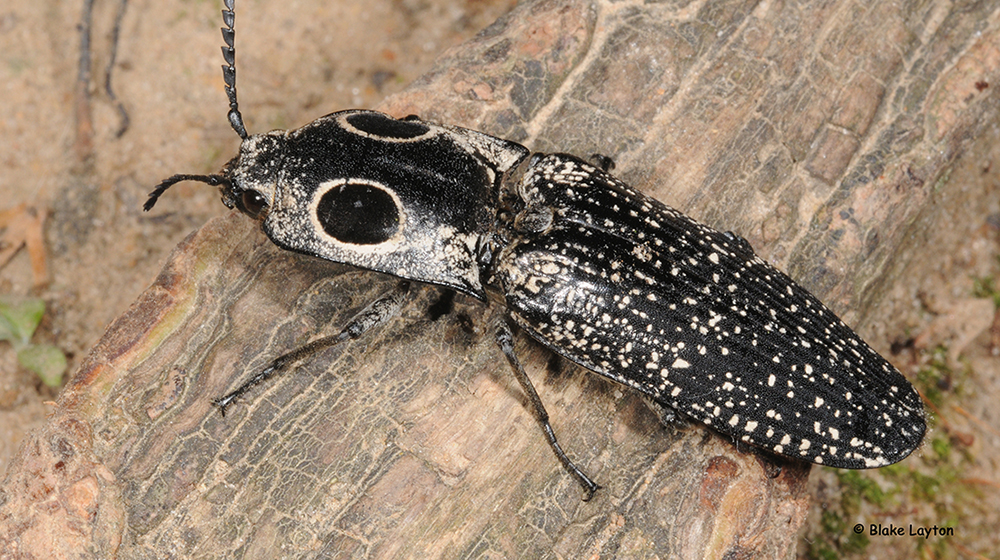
596 271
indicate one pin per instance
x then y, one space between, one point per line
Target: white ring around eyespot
387 246
432 130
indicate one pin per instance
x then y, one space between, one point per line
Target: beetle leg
505 339
376 314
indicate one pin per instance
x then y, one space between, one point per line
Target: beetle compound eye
252 203
358 213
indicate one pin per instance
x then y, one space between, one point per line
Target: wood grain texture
820 132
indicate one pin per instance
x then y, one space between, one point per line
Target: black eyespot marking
358 213
252 203
384 126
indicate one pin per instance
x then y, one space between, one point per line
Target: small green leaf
47 361
19 319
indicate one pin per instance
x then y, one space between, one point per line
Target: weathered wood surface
820 132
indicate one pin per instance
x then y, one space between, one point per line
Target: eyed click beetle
599 273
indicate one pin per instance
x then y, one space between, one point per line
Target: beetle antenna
213 180
229 70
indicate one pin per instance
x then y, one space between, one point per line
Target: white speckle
550 268
680 364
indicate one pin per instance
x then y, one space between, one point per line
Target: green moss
986 287
840 538
936 378
857 488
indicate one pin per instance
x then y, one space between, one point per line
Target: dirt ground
102 251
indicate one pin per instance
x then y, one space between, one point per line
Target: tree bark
820 132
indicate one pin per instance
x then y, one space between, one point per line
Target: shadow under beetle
594 270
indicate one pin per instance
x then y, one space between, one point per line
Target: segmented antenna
229 70
214 180
235 118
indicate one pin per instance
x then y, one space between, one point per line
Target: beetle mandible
599 273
